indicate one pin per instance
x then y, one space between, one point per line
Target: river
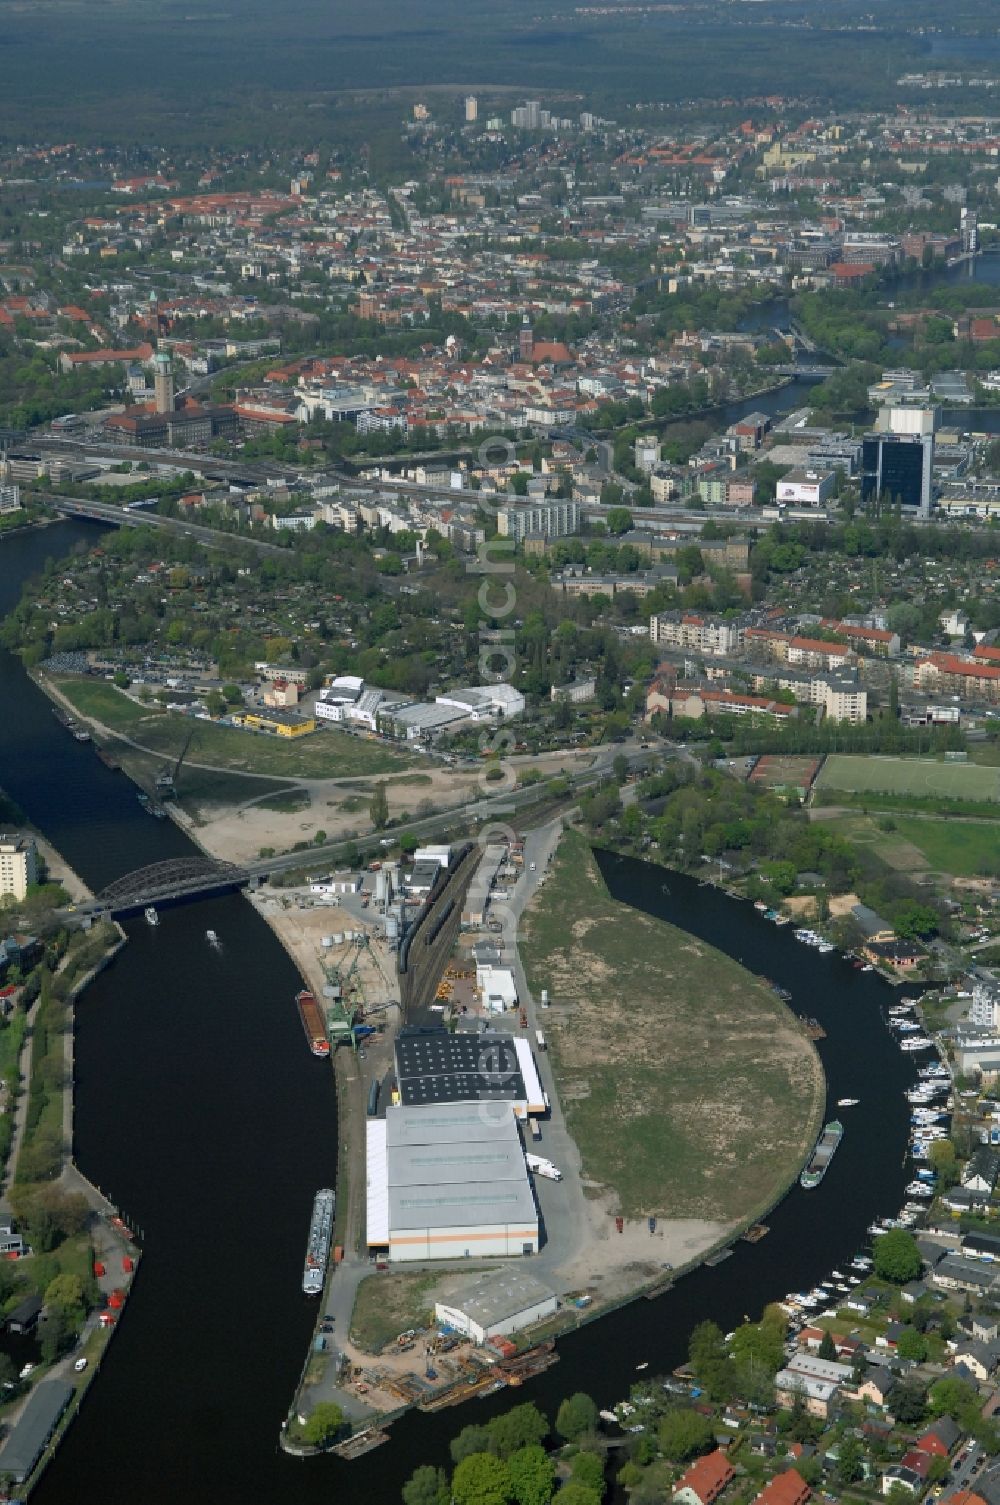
201 1113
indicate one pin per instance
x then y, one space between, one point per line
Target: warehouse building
495 1305
434 1066
448 1181
31 1433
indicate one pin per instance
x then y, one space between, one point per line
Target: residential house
814 1382
980 1359
705 1480
982 1170
940 1438
907 1478
876 1387
788 1488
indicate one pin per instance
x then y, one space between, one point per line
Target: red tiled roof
788 1488
707 1477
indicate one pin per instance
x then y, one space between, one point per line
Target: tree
897 1257
908 1404
827 1348
575 1493
515 1429
324 1422
577 1414
427 1486
619 768
532 1475
471 1439
618 520
57 1335
912 1345
378 807
706 1348
232 694
848 1460
588 1468
481 1479
65 1292
943 1157
955 1398
684 1433
761 1344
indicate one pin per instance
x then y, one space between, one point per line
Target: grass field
389 1304
327 754
916 776
877 849
962 848
687 1086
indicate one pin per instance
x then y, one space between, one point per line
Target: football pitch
914 776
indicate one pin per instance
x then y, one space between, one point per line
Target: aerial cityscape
500 773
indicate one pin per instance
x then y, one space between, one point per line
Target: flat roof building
449 1181
32 1431
434 1066
18 863
495 1304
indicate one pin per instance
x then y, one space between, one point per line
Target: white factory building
495 1305
449 1181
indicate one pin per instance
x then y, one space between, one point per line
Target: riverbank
94 1249
687 1084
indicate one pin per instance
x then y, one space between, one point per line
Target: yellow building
276 723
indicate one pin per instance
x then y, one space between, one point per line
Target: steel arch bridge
172 879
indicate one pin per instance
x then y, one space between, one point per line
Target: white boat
824 947
848 1102
152 918
837 1274
868 967
643 1366
212 938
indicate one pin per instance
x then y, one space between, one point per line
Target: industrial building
495 1305
31 1433
434 1066
448 1181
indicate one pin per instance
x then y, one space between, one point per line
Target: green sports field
914 776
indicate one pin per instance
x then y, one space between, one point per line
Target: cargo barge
318 1247
312 1022
819 1160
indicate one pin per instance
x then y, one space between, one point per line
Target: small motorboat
152 918
643 1366
848 1102
212 938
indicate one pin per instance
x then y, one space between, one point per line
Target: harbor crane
166 779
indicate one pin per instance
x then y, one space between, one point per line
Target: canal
201 1113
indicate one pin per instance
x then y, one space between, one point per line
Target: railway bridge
177 878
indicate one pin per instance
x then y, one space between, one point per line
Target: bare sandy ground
610 1265
301 929
237 833
60 871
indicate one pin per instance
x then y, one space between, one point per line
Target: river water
200 1111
